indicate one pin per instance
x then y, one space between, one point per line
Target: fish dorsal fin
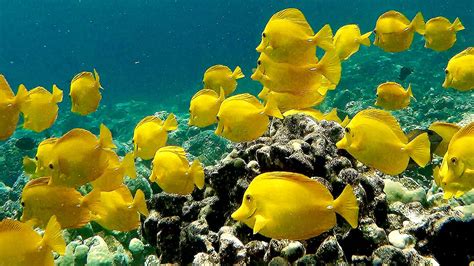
286 175
42 181
468 51
175 150
124 193
295 16
385 118
39 90
439 19
150 118
86 75
247 98
9 225
5 89
396 15
444 125
205 92
466 131
77 133
49 141
217 67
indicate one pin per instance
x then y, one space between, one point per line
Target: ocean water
151 56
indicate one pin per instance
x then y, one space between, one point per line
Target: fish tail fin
419 149
457 25
221 94
105 138
329 67
128 164
323 38
53 237
346 205
418 23
22 95
271 108
237 74
197 173
170 123
139 202
57 94
97 78
364 39
92 200
410 92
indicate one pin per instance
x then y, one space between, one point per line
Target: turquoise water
151 56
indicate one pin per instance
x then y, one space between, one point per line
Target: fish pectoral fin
260 223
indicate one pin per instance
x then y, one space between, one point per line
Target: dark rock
306 260
451 240
193 240
364 239
293 251
256 251
278 261
166 239
150 227
231 249
168 204
330 252
389 255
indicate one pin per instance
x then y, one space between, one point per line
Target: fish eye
248 197
348 130
264 35
259 62
217 118
375 31
51 166
454 160
22 204
446 71
36 158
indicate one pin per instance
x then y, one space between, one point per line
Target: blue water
158 50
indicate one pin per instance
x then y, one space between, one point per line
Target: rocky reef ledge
406 224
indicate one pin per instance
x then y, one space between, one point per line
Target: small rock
400 240
293 251
231 249
389 255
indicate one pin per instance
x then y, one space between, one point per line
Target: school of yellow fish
294 80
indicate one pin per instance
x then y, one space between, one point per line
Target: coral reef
399 225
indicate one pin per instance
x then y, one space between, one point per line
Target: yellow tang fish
440 34
243 118
286 205
348 40
460 71
41 110
394 32
283 77
456 174
10 106
392 96
21 245
446 131
79 157
286 101
151 134
288 38
113 175
85 94
318 115
41 201
219 76
204 106
375 138
119 211
172 172
44 156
